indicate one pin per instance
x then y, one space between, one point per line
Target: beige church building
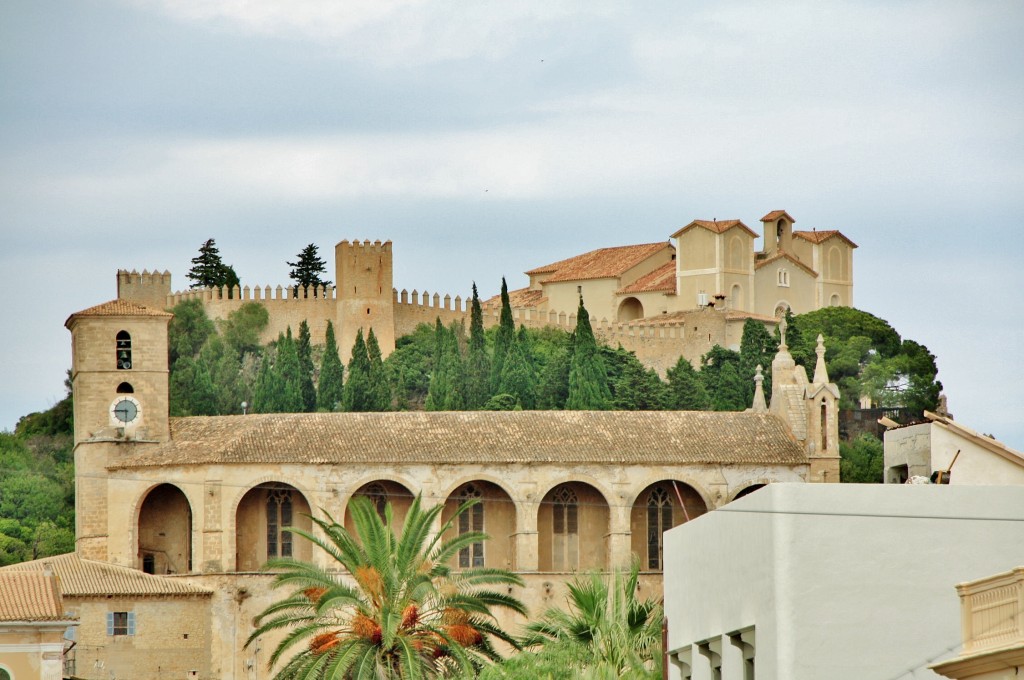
200 503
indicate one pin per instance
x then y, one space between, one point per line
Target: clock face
125 410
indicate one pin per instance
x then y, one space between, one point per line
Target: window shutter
131 623
110 623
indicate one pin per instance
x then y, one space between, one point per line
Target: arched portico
658 508
164 532
494 514
263 514
572 526
381 492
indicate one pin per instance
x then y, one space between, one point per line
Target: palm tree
408 615
606 627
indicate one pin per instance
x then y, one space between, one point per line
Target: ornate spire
820 372
760 406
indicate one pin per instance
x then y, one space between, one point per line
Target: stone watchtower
365 294
119 388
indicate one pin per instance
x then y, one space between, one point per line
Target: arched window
279 516
124 350
125 388
378 496
834 300
659 520
565 535
471 520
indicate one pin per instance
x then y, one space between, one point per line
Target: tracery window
123 350
565 536
659 520
279 516
471 520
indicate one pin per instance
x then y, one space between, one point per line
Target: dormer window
784 278
124 351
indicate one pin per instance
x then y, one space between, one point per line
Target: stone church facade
204 501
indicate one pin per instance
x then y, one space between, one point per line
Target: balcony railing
992 611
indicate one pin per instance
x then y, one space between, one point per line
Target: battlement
241 294
147 288
367 245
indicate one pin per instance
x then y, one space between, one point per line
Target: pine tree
588 379
209 271
356 395
307 270
686 391
478 365
380 391
330 387
504 338
305 352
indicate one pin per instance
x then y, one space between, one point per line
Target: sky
487 138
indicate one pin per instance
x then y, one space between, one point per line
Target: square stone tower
365 294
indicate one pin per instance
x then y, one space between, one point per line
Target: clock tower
119 388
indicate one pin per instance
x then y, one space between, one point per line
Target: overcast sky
488 138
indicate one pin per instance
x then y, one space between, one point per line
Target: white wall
839 581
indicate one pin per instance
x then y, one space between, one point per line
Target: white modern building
808 582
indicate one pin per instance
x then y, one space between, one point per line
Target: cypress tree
553 386
264 399
446 391
503 339
731 392
518 377
588 380
639 389
686 391
305 352
757 348
380 391
331 384
289 370
356 394
478 365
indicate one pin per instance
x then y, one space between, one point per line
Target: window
124 351
125 388
471 520
120 623
378 496
565 530
784 278
149 563
659 520
279 516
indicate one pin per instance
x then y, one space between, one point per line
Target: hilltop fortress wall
365 298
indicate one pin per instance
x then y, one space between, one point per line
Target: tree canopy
307 269
209 271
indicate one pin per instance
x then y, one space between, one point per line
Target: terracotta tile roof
521 297
82 578
461 437
29 596
118 308
776 214
717 226
601 263
821 236
782 254
736 315
661 279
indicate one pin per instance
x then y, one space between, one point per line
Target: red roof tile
29 596
117 308
521 297
601 263
661 279
776 214
821 236
782 254
717 226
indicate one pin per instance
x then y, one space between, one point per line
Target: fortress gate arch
656 510
260 519
164 531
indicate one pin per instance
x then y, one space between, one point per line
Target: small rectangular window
120 623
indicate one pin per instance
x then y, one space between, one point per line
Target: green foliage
720 374
307 270
503 339
503 402
356 394
407 614
606 625
331 384
447 385
588 378
862 461
686 389
518 376
409 367
639 389
304 349
553 387
244 326
188 330
757 348
478 364
209 271
380 391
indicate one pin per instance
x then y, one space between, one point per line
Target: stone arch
630 309
748 489
835 264
261 516
572 527
657 509
495 515
781 307
164 531
382 491
736 296
706 498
